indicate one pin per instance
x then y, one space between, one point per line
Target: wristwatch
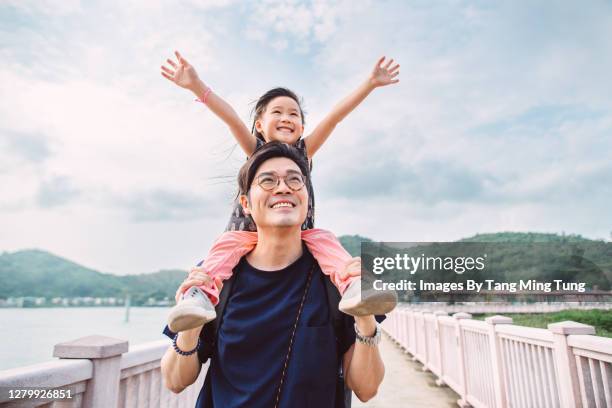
368 341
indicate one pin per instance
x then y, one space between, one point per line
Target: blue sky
501 121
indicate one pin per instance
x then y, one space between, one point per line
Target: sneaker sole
186 318
373 303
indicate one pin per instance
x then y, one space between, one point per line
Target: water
28 335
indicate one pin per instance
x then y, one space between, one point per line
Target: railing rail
494 363
100 372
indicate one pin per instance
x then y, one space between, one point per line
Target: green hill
41 274
526 237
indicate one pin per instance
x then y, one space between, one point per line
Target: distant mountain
527 237
42 274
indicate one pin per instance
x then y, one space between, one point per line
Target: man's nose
282 187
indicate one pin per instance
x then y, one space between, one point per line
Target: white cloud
302 24
47 7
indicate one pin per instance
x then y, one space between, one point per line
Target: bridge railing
99 372
494 363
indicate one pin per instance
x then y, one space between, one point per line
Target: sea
27 335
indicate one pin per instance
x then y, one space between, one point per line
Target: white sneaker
193 310
354 302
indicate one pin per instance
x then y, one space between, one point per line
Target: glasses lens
294 182
268 182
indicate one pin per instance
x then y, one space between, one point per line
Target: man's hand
384 75
181 72
197 277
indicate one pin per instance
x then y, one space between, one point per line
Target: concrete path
406 385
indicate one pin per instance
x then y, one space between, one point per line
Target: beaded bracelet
181 352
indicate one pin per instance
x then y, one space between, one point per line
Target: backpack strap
333 299
210 331
226 290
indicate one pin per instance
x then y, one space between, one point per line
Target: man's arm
184 75
178 371
363 368
380 76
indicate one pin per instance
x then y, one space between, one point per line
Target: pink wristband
206 93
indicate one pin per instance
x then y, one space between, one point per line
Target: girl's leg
331 256
197 305
333 259
224 256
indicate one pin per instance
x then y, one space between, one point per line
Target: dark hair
269 151
264 100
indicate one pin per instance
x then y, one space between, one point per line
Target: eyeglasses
269 181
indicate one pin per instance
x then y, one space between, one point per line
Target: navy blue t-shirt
246 365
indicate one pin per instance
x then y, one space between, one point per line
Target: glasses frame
278 180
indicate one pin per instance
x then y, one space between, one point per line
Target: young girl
278 116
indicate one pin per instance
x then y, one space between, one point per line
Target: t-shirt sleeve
169 332
347 338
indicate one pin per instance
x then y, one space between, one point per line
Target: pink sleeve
330 254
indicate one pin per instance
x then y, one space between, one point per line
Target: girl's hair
269 151
264 100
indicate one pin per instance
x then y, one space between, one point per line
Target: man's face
281 206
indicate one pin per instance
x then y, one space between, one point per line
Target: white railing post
105 354
426 347
462 391
569 387
496 359
438 346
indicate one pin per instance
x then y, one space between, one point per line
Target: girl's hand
384 75
180 72
352 268
197 277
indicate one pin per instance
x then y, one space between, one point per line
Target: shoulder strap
333 299
220 308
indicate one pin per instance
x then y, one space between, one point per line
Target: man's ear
244 202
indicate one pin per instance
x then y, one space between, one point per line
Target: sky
501 121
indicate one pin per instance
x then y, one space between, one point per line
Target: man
276 346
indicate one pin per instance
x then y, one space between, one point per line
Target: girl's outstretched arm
184 75
380 76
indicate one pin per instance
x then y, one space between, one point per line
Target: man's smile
283 204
